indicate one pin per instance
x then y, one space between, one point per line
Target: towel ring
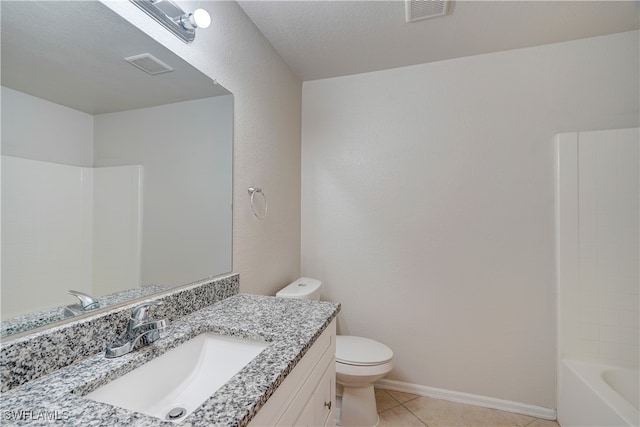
252 193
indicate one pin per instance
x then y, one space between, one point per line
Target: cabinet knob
327 405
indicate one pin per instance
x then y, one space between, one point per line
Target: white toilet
359 363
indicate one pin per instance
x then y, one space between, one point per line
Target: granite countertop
290 327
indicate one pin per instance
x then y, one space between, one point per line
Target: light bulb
200 18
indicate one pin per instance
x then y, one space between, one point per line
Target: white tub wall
609 193
47 220
567 246
78 227
428 205
117 228
598 264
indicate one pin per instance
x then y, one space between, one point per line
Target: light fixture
174 19
198 19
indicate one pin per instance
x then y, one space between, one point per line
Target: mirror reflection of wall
187 179
112 179
79 222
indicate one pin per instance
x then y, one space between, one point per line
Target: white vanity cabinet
307 396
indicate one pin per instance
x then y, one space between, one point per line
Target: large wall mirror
116 172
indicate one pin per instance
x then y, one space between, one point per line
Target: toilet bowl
359 363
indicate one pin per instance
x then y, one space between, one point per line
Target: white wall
267 108
36 129
428 205
185 165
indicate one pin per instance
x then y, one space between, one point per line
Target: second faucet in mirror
87 303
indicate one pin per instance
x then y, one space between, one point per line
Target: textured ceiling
320 39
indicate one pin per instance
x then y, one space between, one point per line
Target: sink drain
176 413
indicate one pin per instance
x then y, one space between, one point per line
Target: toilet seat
359 351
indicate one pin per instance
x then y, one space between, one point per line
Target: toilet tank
303 288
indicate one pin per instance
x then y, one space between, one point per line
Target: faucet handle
141 312
86 301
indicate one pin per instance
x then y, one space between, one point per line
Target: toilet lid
361 351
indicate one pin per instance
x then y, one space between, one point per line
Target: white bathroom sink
180 380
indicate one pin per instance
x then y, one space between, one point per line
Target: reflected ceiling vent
149 64
416 10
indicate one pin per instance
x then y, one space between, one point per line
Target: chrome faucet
139 328
87 303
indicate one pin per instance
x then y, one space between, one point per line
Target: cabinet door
319 410
306 418
325 396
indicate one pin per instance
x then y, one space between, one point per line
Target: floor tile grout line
402 404
411 412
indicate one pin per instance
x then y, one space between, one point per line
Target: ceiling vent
149 64
416 10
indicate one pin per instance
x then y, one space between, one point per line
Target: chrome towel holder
252 193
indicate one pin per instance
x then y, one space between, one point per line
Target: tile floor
398 409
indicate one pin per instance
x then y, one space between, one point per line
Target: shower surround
598 215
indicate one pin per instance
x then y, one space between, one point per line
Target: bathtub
597 395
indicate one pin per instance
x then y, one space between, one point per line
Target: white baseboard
469 399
